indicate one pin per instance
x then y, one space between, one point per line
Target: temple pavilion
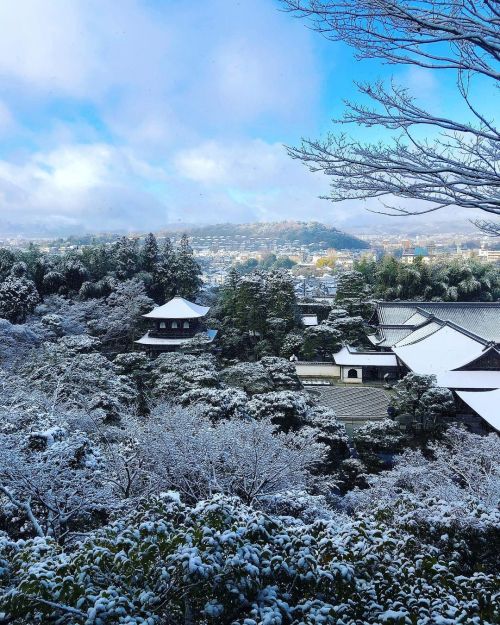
173 325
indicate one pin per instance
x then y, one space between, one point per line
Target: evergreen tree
97 260
18 295
126 258
280 296
164 274
149 253
7 260
251 304
188 271
75 273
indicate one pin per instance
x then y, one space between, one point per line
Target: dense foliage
222 562
450 281
202 488
95 272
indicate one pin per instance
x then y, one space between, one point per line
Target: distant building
173 325
490 256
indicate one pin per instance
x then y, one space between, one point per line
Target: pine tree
188 271
149 253
126 258
164 274
280 296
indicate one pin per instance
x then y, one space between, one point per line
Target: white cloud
91 185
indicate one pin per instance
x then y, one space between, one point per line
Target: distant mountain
312 233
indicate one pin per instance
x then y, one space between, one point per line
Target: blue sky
135 114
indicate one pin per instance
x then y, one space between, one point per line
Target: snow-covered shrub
251 377
221 562
216 403
174 374
453 497
282 372
379 436
286 409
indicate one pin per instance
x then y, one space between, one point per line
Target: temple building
174 325
457 342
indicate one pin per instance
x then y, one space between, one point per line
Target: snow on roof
310 320
178 308
485 403
387 337
444 350
416 319
420 333
480 318
469 379
153 340
347 357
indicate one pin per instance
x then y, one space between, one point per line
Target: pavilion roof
178 308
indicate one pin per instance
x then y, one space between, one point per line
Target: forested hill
306 233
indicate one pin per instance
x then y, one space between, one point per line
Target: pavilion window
352 373
175 324
163 325
185 324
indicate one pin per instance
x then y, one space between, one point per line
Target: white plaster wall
317 370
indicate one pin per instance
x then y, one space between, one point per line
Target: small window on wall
175 324
163 325
352 373
185 324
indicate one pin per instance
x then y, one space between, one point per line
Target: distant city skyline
135 115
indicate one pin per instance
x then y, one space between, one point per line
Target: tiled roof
485 404
419 333
445 349
480 318
387 337
354 402
347 356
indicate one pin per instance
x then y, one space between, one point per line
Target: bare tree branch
440 161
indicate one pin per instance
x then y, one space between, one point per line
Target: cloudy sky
134 114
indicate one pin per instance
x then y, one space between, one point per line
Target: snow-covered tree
353 294
418 400
191 454
149 253
126 258
51 480
452 497
322 341
18 295
76 375
352 329
187 271
117 320
75 273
